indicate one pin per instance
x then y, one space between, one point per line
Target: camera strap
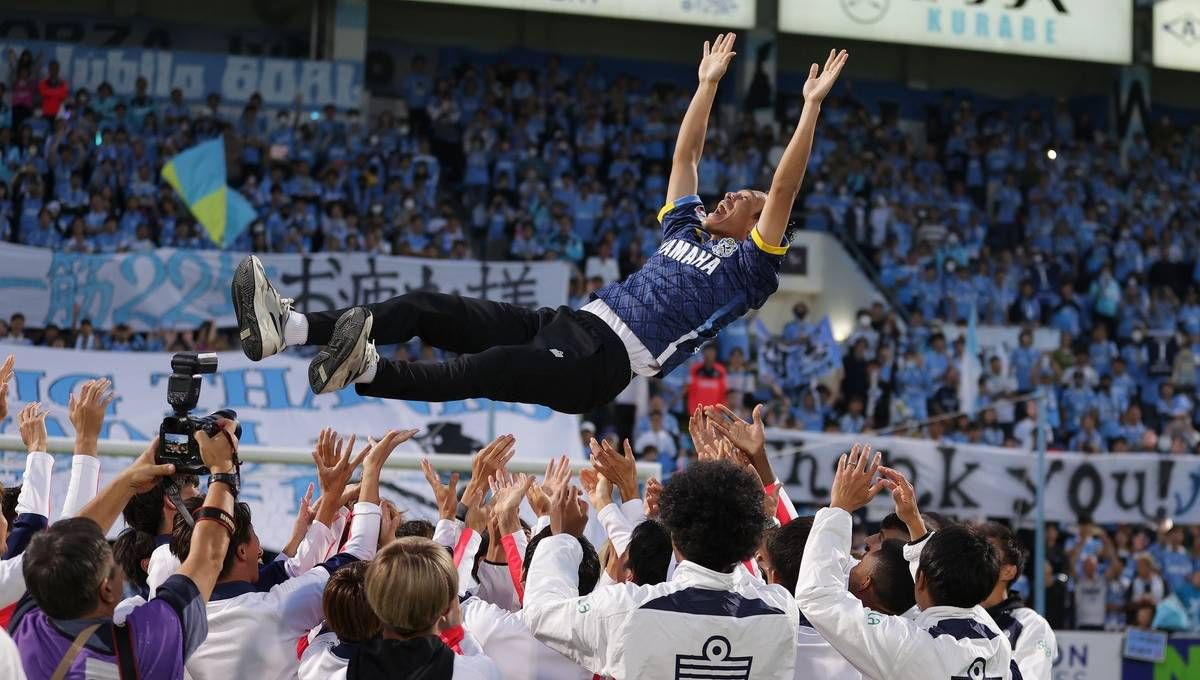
171 490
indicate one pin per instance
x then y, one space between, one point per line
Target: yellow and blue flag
198 176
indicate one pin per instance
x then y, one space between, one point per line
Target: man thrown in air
711 269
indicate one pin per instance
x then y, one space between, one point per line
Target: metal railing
443 462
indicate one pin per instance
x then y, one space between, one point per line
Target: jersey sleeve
682 213
760 262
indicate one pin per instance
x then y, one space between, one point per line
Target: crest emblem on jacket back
716 661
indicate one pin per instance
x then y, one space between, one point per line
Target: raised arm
790 173
86 412
210 539
141 476
689 146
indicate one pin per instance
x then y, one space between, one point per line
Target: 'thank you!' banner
973 480
181 289
199 74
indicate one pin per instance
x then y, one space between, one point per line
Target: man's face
736 214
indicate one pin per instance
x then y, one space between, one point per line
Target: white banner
1088 30
724 13
181 289
1177 34
974 481
1087 656
275 407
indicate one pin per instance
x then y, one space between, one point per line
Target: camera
177 434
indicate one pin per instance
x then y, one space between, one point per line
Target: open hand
568 512
87 410
485 464
378 452
6 372
820 81
651 497
597 487
717 56
334 464
854 483
508 490
32 423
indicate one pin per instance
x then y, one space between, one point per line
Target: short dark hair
714 513
785 550
892 522
131 547
589 566
415 527
1011 551
960 566
344 603
144 511
891 578
935 521
649 553
181 537
65 565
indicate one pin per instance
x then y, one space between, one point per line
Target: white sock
369 374
295 329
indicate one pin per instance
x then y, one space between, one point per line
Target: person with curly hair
712 618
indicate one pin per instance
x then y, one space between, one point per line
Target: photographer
64 625
252 633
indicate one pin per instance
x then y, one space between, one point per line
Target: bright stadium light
1051 154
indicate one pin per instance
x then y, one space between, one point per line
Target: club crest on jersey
690 253
714 661
725 247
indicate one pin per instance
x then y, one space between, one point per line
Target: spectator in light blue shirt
809 415
853 420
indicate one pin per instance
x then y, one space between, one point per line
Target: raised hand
597 487
390 519
378 452
854 484
304 519
31 420
568 512
446 495
508 490
750 437
904 496
717 56
701 431
618 469
87 413
6 373
650 499
493 457
332 457
820 81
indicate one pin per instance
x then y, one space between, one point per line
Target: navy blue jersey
693 286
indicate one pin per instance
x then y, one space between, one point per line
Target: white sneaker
349 354
260 311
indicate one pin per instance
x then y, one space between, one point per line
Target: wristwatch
231 479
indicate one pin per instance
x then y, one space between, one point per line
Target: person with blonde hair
412 586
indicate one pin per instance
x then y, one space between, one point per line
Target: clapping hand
620 470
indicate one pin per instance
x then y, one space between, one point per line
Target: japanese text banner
180 289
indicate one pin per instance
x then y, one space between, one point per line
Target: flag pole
1039 540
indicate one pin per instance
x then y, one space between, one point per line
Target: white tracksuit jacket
700 624
943 643
1032 640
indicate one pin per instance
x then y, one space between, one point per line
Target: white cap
587 426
